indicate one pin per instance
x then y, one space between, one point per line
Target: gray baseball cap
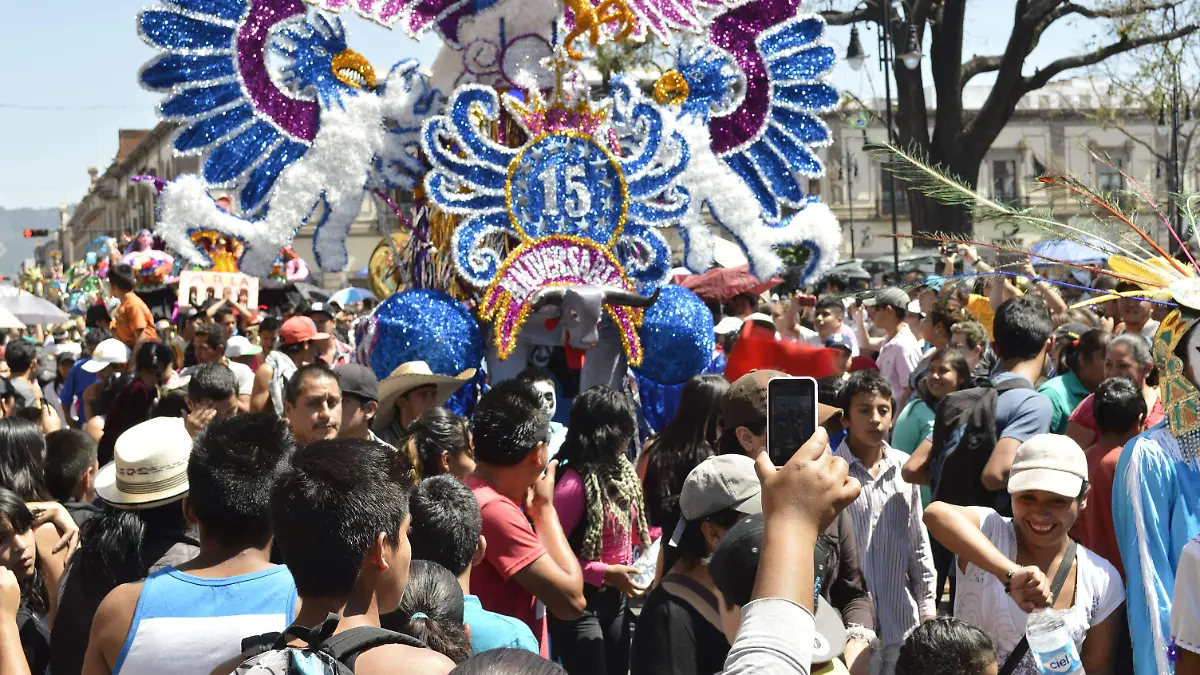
888 297
719 483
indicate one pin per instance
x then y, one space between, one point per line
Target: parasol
1090 251
7 320
351 295
30 308
723 283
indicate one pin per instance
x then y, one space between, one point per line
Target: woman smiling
1005 564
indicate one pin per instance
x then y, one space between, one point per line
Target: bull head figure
581 308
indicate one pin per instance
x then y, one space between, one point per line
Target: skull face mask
549 400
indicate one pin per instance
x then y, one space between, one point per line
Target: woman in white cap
1006 565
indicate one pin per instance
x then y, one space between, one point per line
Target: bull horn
624 298
552 295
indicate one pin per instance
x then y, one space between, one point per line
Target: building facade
1054 130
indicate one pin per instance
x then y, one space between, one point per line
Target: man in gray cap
901 353
360 401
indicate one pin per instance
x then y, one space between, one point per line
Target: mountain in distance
14 247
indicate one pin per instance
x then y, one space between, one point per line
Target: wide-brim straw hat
409 376
149 467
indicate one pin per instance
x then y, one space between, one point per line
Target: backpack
964 435
269 654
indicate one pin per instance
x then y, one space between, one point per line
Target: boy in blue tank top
190 619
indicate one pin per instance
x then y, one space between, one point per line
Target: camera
948 248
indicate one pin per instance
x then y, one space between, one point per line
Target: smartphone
791 416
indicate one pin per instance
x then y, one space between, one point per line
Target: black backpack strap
1060 579
1010 384
266 642
346 647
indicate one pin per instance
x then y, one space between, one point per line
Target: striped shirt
893 545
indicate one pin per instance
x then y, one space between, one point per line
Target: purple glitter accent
159 183
624 319
295 117
735 31
403 219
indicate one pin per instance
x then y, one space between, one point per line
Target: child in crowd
71 467
947 646
1120 411
829 319
887 517
432 611
446 527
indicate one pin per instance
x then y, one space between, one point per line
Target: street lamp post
911 58
849 171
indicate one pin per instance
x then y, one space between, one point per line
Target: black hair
294 347
315 371
231 471
220 314
112 544
120 276
692 548
22 459
446 523
171 404
20 519
534 375
836 282
829 390
866 382
1091 343
832 304
945 645
601 426
329 507
69 452
435 431
688 439
213 334
941 316
508 662
211 382
431 611
509 423
1021 329
957 360
153 357
20 355
109 388
270 322
1118 405
93 337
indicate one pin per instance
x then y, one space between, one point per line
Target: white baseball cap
239 345
730 324
1051 463
109 352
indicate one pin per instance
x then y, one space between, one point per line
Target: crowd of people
234 493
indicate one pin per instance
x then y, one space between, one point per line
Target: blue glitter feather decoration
677 333
422 325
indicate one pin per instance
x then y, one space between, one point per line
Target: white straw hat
410 376
149 467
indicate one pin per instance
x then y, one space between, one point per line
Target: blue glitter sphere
424 325
677 335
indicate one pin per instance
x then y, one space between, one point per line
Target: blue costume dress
1156 511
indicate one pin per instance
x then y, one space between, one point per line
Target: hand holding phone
791 416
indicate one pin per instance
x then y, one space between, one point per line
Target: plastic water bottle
1051 644
646 565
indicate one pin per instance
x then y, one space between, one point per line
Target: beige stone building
1052 130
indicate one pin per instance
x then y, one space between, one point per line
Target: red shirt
512 545
1095 523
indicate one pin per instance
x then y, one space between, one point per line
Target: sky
68 82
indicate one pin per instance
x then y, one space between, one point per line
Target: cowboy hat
149 467
409 376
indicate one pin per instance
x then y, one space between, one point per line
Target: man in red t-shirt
1120 412
526 569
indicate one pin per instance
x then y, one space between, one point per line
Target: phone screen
791 416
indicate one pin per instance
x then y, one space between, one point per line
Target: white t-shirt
1185 607
980 598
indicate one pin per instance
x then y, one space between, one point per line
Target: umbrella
312 293
7 320
351 295
1089 251
723 283
30 308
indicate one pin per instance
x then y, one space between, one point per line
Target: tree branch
979 65
1116 12
1043 75
853 16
